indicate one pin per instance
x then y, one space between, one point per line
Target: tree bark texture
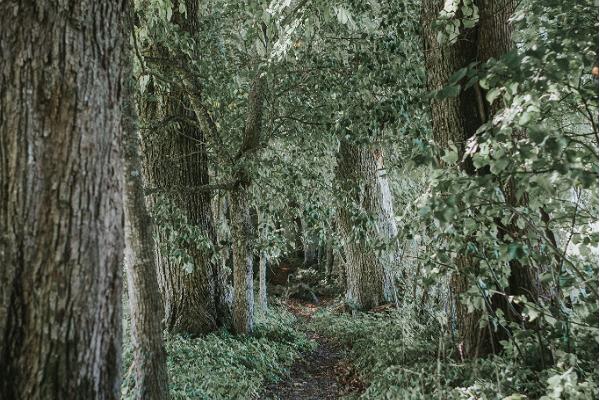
495 40
146 310
61 216
194 301
175 157
454 120
363 181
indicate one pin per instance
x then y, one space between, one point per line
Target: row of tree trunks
363 184
455 120
61 211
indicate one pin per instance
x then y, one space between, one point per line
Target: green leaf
457 76
492 94
450 157
524 118
448 91
188 267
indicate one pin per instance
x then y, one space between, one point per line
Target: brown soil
323 373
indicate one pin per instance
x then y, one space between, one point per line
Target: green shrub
405 356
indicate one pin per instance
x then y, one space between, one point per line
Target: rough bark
146 311
362 179
61 213
175 157
193 301
453 119
495 40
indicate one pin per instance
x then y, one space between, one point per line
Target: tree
452 125
60 199
241 225
363 181
458 110
146 309
192 283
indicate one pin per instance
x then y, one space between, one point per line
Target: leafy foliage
407 354
353 70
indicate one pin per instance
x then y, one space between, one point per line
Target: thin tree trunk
310 248
146 311
241 225
368 274
262 282
61 233
243 287
262 275
329 252
329 259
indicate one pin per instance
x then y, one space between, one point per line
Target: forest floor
323 373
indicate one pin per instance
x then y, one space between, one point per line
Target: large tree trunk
456 120
363 182
61 213
495 40
146 311
175 159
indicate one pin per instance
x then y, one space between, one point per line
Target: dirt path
318 374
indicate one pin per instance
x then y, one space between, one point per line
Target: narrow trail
316 375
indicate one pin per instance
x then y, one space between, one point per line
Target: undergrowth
401 355
224 366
